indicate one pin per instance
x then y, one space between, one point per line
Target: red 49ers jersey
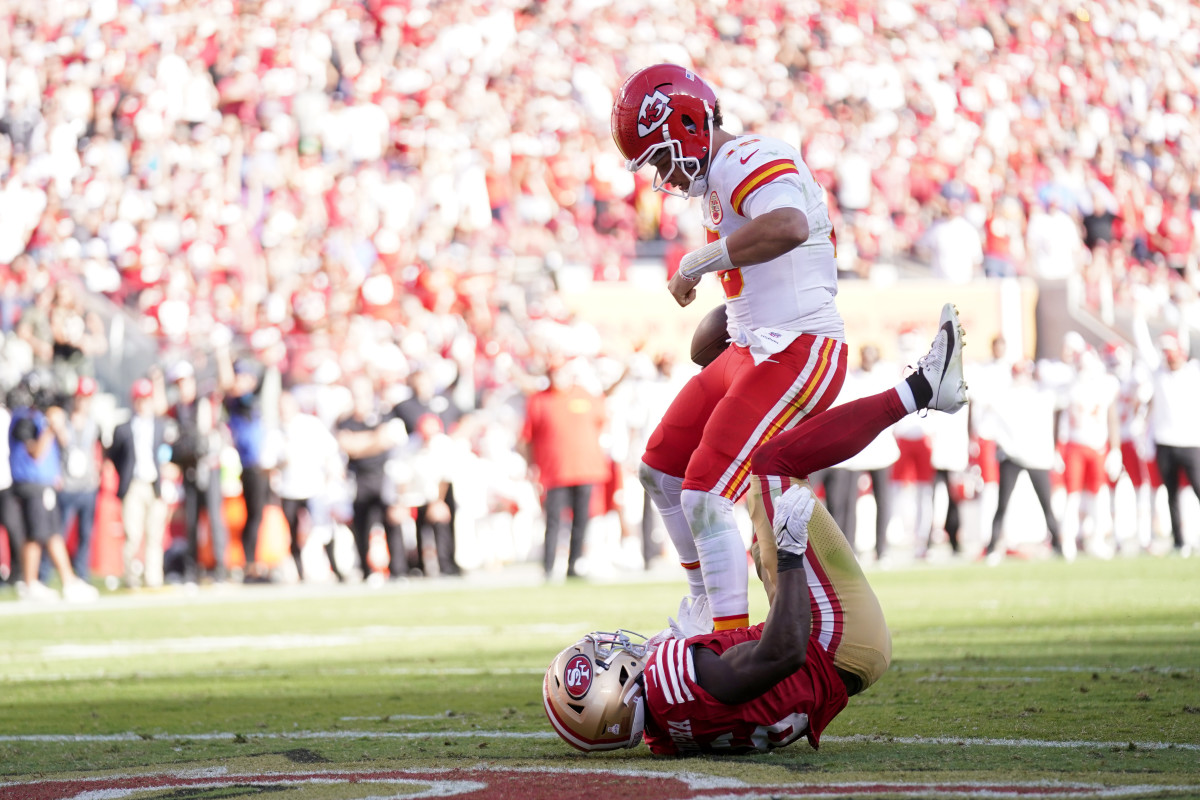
794 292
683 719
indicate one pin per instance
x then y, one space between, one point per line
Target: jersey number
766 737
731 281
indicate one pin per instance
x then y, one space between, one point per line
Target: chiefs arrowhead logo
655 110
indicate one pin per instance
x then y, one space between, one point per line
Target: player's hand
56 418
695 618
682 289
1113 464
438 511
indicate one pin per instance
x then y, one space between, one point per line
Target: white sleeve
779 193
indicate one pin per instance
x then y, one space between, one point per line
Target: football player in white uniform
772 247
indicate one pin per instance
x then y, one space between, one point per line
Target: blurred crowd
1103 440
219 469
356 193
297 170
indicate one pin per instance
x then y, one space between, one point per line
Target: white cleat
792 513
942 366
80 591
37 592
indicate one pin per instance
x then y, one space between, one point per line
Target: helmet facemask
692 167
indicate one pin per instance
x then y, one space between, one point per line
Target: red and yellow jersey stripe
761 176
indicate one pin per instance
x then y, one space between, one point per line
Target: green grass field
1082 679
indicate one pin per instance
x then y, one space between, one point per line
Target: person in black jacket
367 437
138 452
196 454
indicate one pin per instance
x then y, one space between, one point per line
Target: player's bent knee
705 510
764 460
663 489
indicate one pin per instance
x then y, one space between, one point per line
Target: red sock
828 438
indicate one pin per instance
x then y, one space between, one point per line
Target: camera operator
38 423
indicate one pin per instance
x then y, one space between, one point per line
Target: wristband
788 560
712 257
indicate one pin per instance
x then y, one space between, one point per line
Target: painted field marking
191 645
317 735
471 671
485 782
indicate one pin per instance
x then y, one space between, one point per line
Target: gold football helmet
592 693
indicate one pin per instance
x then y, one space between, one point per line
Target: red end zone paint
554 784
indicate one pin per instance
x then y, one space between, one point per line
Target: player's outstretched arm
750 669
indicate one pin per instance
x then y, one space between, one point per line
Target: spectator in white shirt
1176 427
1024 417
952 245
309 463
1053 241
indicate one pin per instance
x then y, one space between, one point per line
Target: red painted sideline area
548 784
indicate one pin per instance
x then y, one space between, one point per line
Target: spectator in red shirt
1174 238
562 443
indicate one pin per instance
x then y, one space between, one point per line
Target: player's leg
1073 465
1040 479
1189 461
881 488
666 458
1008 472
818 442
847 620
762 399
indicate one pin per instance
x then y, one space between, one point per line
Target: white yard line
315 735
448 782
985 673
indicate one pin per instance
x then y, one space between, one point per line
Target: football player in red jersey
824 639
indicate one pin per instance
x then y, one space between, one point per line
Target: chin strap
635 696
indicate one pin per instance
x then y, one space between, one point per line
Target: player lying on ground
824 639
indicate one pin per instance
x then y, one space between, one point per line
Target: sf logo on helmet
655 110
578 676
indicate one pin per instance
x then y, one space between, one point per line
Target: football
711 337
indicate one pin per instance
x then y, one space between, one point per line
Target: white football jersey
750 176
1088 405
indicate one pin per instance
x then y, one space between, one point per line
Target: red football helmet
666 108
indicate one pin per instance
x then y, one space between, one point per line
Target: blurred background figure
432 456
426 401
562 441
10 570
1053 240
952 244
949 456
1091 455
843 483
1135 392
1024 418
138 452
38 423
913 473
308 466
988 380
79 444
78 336
243 387
367 436
639 402
196 452
1176 428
